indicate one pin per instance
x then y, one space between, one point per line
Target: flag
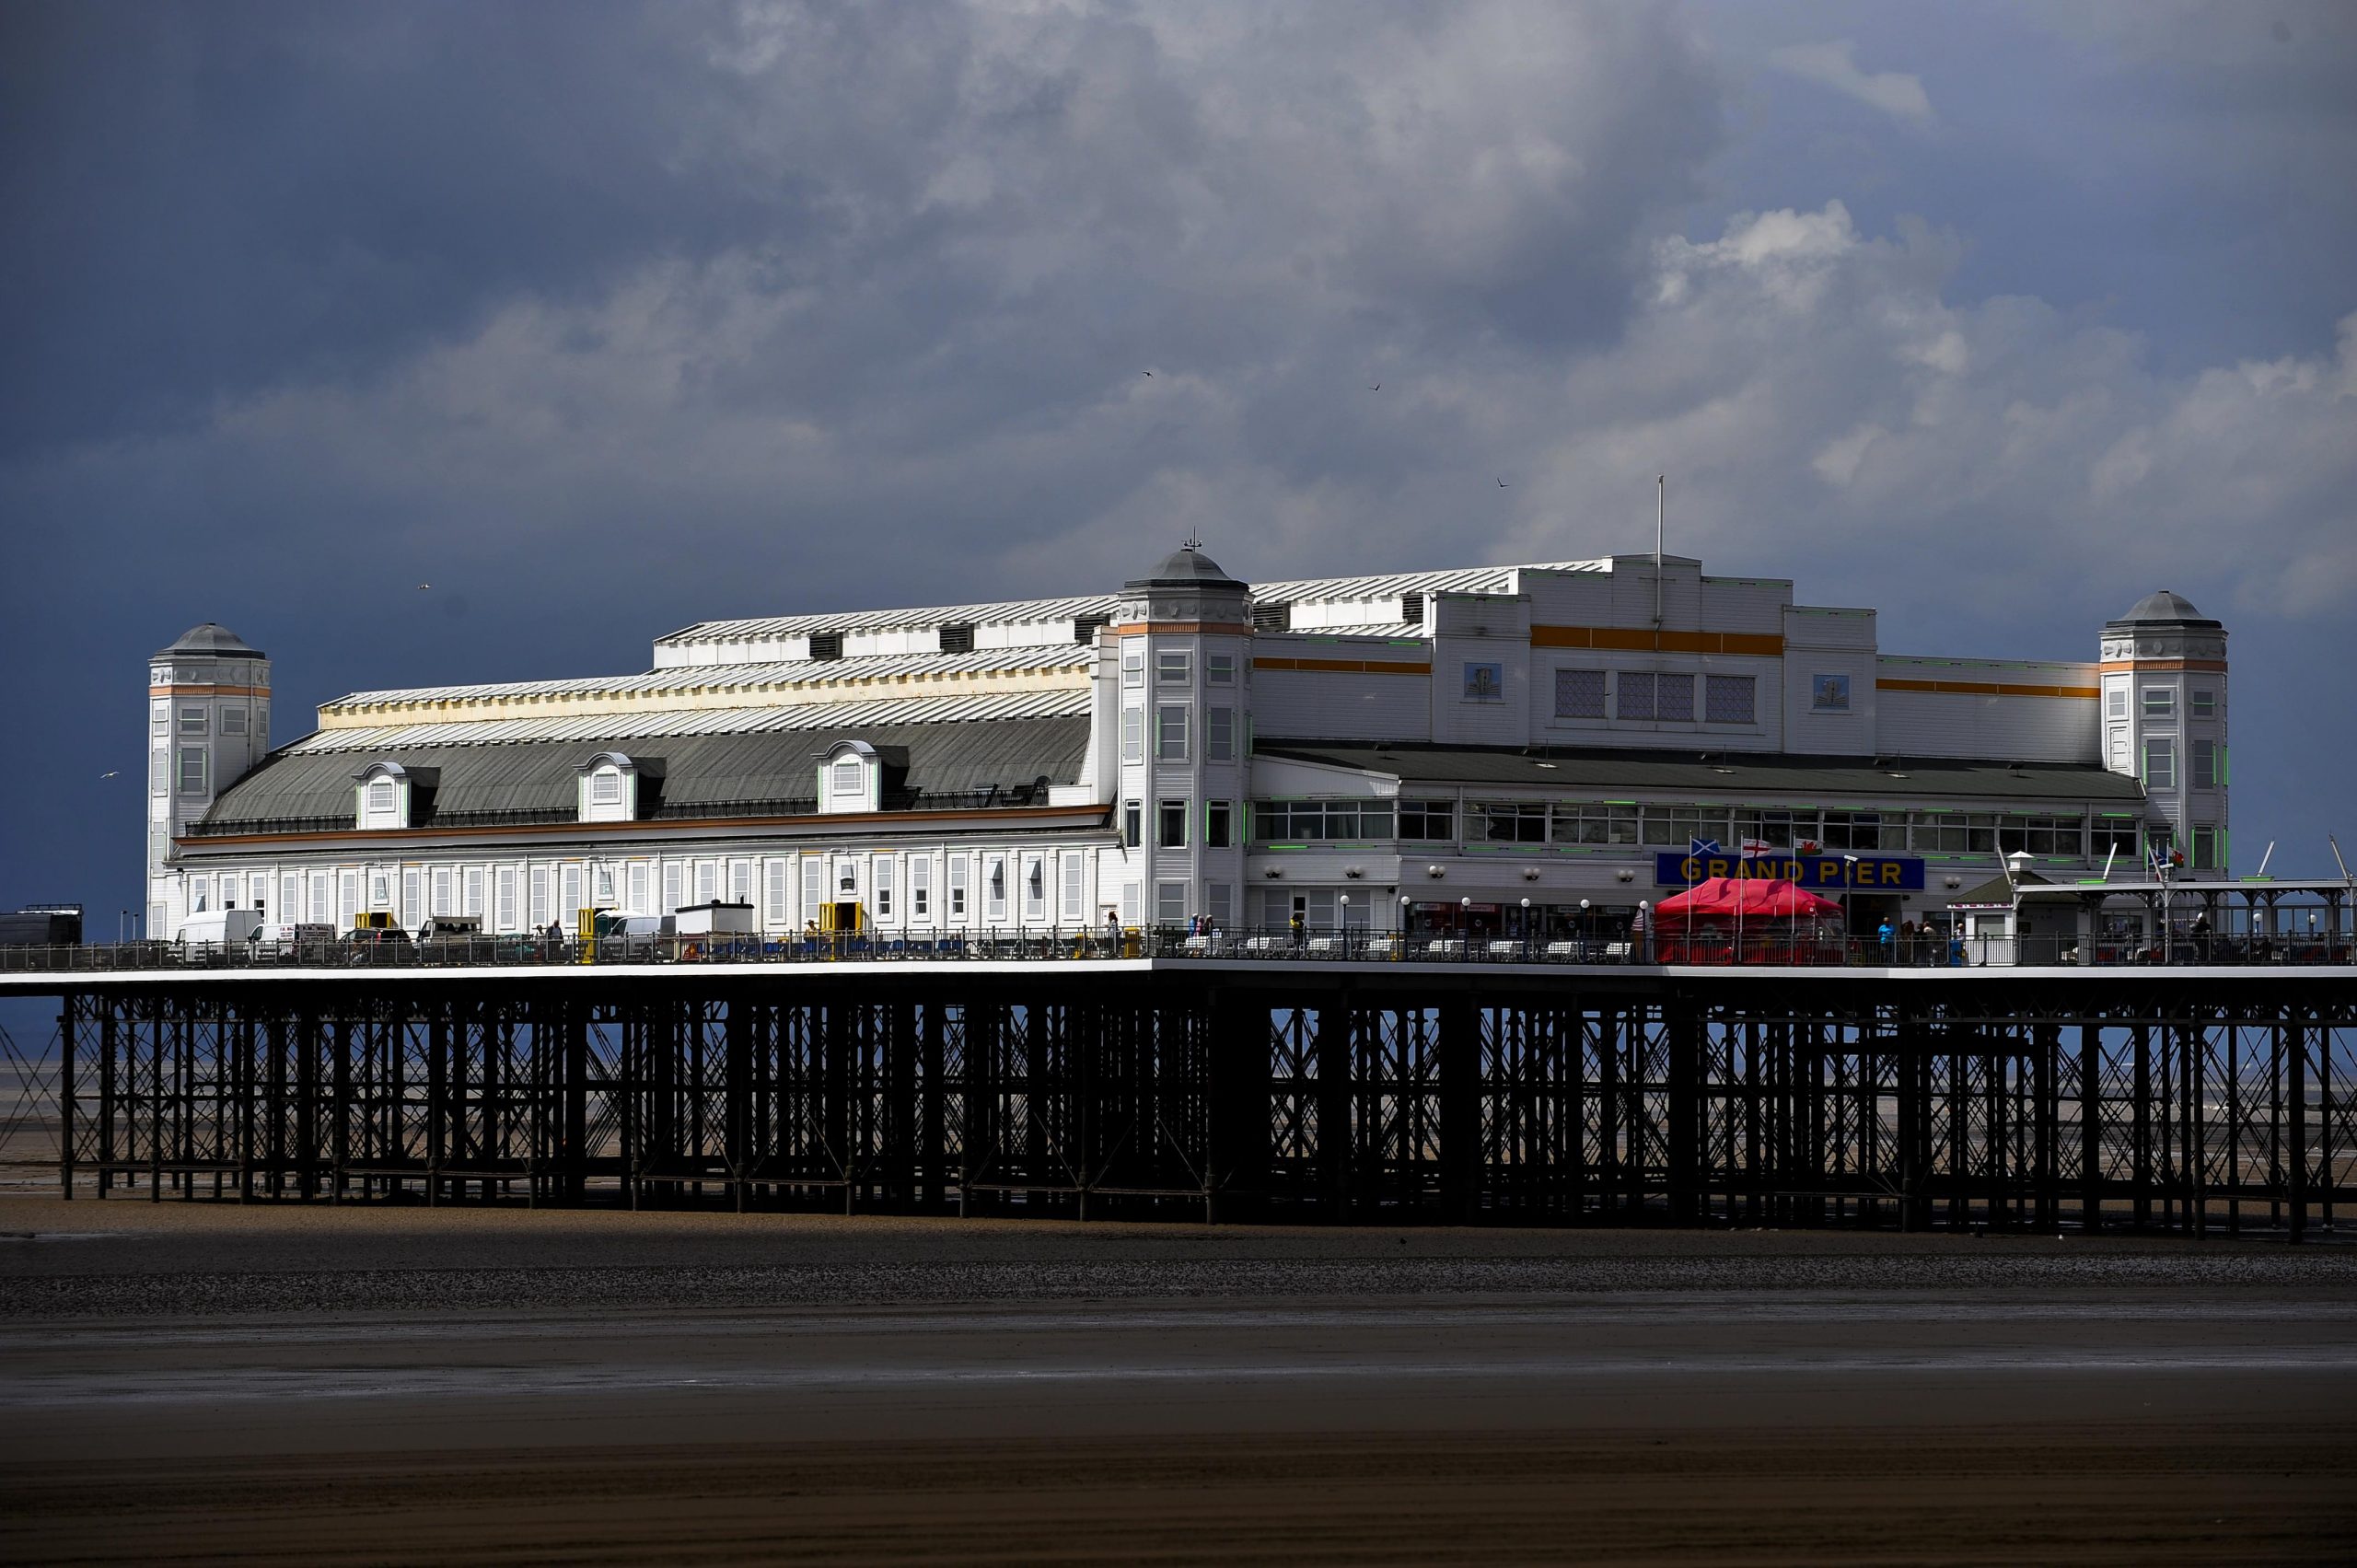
1754 848
1703 846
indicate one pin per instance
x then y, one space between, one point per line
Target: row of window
194 719
1628 823
896 887
2160 702
1171 824
1171 738
2208 760
1175 666
1656 696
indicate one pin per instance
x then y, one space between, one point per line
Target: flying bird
1502 483
1146 373
1376 388
110 773
422 586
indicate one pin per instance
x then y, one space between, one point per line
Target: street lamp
1465 924
1586 955
1849 877
1644 931
1346 924
1526 930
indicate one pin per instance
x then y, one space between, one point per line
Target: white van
219 928
292 939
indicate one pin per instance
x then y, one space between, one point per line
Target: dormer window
610 787
387 795
848 778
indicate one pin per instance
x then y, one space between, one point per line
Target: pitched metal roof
212 640
1561 768
294 787
1019 612
781 674
589 728
1456 580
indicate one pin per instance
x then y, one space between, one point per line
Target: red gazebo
1729 920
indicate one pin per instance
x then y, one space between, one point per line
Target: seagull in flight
1502 483
422 586
1376 388
1146 373
110 773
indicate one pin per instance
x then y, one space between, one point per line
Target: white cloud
1896 93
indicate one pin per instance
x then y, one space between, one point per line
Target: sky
604 319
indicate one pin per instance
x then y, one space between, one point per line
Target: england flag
1754 848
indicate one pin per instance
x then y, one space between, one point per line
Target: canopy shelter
1728 920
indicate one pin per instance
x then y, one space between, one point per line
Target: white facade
1340 751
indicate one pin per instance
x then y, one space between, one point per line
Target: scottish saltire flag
1703 846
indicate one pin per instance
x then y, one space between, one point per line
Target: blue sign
1817 873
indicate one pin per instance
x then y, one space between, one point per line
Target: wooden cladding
1985 688
1628 639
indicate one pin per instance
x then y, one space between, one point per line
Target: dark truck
42 925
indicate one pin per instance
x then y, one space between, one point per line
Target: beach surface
199 1383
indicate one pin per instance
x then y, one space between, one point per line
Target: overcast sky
605 318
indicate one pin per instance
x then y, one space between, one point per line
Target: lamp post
1849 877
1404 903
1587 947
1465 926
1345 899
1525 929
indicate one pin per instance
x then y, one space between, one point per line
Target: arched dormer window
609 788
849 777
384 796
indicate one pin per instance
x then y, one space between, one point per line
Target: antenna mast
1661 484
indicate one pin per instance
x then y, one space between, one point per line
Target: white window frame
1219 735
1074 882
194 764
1173 666
1133 663
776 882
960 875
921 889
2160 702
2160 762
1171 732
994 888
885 876
503 888
1035 888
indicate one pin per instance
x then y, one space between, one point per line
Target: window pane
1218 825
1579 693
1730 699
1674 697
1171 733
1133 734
1219 735
1173 667
1636 695
1170 825
2159 701
1219 670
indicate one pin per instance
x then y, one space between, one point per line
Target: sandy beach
204 1384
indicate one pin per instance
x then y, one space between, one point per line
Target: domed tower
1184 632
2164 722
208 721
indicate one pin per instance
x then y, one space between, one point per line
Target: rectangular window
1513 822
192 721
2205 764
641 886
442 892
1035 890
707 881
959 872
1219 735
1730 699
920 887
673 893
323 912
347 898
1173 667
1321 821
1171 733
159 719
1674 697
2205 849
504 889
159 771
1583 822
2160 702
1133 734
1220 905
2116 702
1219 670
1636 693
1075 890
233 720
1169 903
1132 823
885 877
381 797
813 890
1484 682
1170 825
290 895
413 897
1130 909
2160 764
569 895
191 770
850 782
774 892
741 882
1133 663
1828 693
2203 705
1428 821
605 787
472 897
2160 843
1219 825
1579 693
541 902
994 887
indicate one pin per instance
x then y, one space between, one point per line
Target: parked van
449 928
289 939
219 928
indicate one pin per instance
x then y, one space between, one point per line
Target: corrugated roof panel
739 677
1021 611
656 723
1455 580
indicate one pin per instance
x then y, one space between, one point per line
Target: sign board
1868 873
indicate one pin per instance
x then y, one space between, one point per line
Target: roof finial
1190 541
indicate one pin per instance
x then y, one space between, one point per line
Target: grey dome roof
1187 565
2166 607
211 640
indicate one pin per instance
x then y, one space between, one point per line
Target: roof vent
1411 609
958 639
825 644
1085 627
1272 618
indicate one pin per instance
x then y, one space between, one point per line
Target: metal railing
1065 944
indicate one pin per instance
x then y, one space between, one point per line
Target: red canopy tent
1773 921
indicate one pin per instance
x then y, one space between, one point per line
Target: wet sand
196 1383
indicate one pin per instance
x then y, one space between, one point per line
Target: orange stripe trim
1625 639
1343 666
853 819
2122 667
1985 688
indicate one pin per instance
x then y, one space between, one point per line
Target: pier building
1504 750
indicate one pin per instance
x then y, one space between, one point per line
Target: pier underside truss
1359 1096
